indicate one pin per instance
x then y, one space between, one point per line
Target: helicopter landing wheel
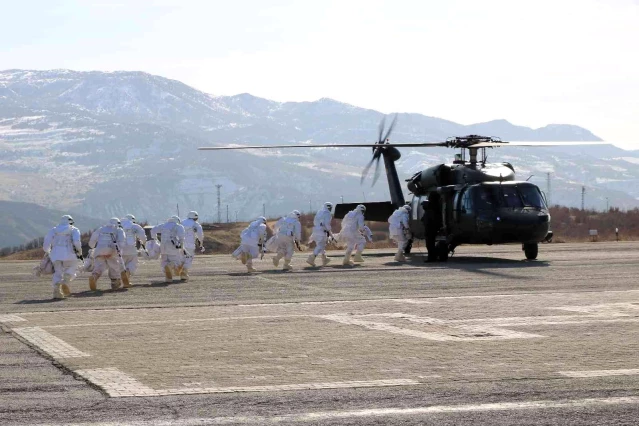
531 250
442 251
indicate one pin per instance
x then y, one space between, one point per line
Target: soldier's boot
66 291
347 258
399 256
126 279
287 265
311 260
93 283
168 276
244 258
57 291
276 261
249 266
116 284
325 260
358 258
184 274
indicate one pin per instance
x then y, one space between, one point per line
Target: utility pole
548 189
607 204
310 207
227 213
219 204
264 209
583 197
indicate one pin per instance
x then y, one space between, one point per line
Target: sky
532 63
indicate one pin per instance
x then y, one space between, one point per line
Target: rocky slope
104 144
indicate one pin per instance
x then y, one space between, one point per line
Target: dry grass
569 225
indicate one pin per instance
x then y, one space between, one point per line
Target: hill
102 144
22 222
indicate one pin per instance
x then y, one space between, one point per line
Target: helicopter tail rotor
379 149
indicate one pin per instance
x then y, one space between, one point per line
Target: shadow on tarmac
79 295
161 283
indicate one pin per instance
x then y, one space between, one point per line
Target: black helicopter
467 202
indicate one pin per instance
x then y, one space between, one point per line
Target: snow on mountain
105 144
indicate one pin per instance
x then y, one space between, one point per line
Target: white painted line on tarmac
538 294
605 309
118 384
309 287
10 318
173 321
600 373
48 343
376 413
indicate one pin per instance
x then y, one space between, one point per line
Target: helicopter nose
521 226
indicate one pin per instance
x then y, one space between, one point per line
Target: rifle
297 244
78 255
198 242
144 248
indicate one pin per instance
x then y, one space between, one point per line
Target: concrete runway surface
487 338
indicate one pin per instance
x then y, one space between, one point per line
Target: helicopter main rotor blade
535 143
390 129
408 145
332 145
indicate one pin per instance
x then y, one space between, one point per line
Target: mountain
23 222
104 144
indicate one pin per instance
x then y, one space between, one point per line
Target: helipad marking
115 383
48 343
118 384
446 332
377 412
600 373
10 318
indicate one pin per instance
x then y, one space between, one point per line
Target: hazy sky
530 62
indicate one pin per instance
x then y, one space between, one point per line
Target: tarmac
486 338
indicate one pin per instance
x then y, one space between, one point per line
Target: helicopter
469 201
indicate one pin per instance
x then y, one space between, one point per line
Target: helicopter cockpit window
484 198
531 197
510 197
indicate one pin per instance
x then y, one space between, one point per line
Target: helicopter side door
416 221
466 215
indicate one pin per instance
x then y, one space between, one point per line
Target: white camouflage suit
321 232
399 230
192 231
133 232
59 244
351 232
171 246
251 237
107 240
287 230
